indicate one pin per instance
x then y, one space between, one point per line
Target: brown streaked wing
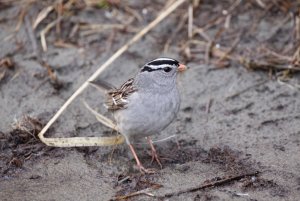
116 98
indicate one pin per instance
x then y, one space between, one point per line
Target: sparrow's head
160 74
163 66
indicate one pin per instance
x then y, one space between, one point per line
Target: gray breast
147 114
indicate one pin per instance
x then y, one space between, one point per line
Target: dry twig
245 90
175 32
212 184
21 17
41 16
45 31
32 38
190 22
141 192
105 121
98 28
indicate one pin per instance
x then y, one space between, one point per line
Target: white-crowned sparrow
146 104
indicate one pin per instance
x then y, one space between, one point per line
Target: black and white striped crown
160 63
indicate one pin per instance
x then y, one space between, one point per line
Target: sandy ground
252 124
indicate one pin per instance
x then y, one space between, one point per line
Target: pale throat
162 84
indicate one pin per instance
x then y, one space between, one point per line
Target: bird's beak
181 68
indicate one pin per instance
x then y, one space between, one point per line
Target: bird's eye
167 69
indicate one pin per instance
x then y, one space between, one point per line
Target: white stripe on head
162 62
163 58
159 66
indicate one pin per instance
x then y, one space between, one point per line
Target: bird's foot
154 154
156 158
144 170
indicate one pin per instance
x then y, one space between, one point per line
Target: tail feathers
102 85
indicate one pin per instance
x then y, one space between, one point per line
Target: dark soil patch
21 144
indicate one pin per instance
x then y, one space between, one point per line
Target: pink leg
154 153
138 163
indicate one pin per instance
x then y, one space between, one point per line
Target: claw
154 153
142 169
